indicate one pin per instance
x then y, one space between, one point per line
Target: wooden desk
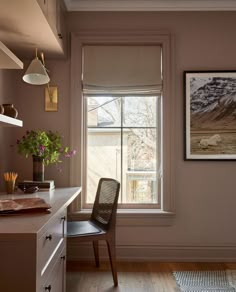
33 246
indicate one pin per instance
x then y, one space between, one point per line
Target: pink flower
41 148
70 153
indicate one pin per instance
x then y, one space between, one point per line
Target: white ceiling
150 5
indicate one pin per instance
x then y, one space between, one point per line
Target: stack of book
42 185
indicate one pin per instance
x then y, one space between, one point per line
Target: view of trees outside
122 144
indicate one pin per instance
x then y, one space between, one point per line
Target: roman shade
122 69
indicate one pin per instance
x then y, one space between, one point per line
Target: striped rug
206 281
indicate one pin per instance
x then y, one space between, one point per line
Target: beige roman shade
117 69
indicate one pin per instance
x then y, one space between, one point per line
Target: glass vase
38 168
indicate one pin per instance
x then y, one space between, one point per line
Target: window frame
163 38
157 205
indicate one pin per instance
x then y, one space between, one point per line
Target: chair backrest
105 205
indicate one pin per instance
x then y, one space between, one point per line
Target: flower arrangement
44 144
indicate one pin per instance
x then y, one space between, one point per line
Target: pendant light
36 73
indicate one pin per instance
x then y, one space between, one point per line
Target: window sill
134 217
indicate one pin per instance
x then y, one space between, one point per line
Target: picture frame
210 115
51 99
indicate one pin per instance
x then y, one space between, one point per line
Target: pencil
10 176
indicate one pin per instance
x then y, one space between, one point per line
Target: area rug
206 281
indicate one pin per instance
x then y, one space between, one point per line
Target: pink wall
7 95
205 191
29 101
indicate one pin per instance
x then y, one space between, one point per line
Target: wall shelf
43 28
8 60
6 121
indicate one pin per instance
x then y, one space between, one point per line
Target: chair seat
80 228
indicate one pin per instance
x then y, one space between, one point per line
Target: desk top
33 223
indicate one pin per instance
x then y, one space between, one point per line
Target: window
147 180
121 85
123 142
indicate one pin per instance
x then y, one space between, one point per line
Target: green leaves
45 144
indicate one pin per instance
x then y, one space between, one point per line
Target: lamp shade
36 73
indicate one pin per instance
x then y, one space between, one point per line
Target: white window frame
78 40
158 166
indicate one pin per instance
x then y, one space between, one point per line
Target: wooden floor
132 277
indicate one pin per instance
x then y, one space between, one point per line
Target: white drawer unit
54 278
33 245
50 242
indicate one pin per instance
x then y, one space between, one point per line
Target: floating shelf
8 60
6 121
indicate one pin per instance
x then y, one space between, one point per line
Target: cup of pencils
10 181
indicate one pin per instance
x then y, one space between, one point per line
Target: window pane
103 158
139 111
139 166
128 154
103 111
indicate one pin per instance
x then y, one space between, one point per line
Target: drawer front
56 278
48 268
50 242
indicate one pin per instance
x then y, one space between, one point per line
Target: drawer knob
49 237
48 288
63 257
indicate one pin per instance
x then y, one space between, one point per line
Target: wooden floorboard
132 277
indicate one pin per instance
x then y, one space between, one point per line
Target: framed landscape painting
210 115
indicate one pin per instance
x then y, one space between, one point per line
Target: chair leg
96 252
112 256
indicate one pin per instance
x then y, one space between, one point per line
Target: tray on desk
23 205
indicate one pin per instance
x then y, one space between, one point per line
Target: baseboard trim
177 253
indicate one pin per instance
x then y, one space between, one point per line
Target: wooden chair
101 225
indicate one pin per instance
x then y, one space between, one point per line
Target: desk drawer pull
48 288
49 237
63 218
